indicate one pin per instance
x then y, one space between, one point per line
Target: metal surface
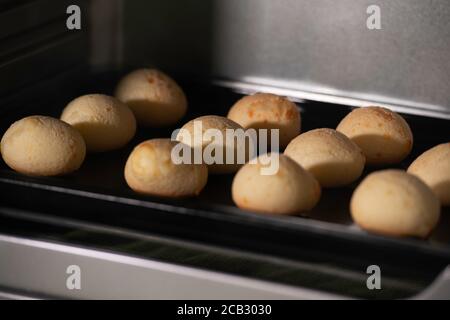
440 289
106 33
320 46
8 295
36 44
20 16
47 60
40 267
38 270
311 274
253 86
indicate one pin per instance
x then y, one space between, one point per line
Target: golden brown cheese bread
43 146
292 190
200 140
150 170
105 123
330 156
433 167
395 203
383 135
155 98
268 111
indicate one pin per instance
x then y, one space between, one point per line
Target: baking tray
98 193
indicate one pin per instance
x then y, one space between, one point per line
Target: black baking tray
98 193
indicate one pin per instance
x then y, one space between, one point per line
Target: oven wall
321 46
39 56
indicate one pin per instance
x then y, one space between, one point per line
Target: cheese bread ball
156 99
383 135
105 123
290 191
330 156
43 146
198 139
433 167
150 170
395 203
268 111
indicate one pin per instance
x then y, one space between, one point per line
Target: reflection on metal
439 289
37 266
301 92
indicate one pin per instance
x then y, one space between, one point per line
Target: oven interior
218 51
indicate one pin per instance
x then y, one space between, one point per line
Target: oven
321 54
